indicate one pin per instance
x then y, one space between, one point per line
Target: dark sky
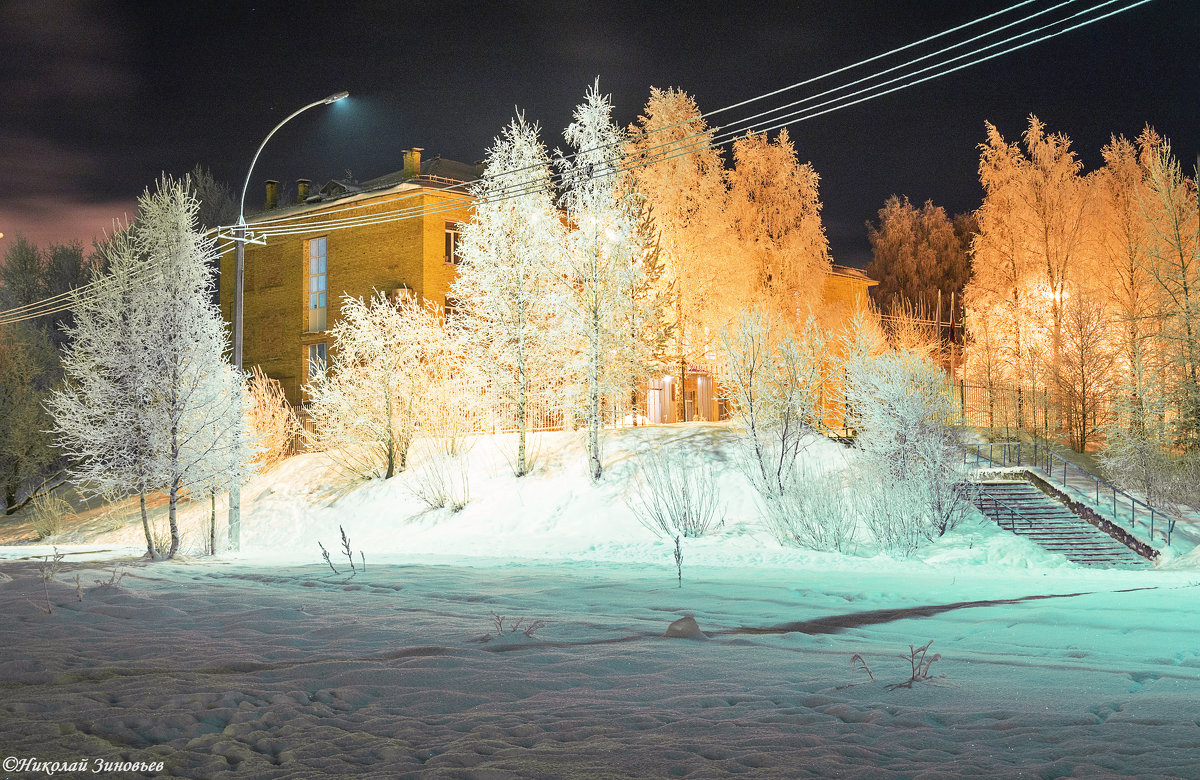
97 99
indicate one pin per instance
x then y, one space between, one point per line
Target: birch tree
775 210
1002 269
1123 263
145 368
1172 213
509 288
602 257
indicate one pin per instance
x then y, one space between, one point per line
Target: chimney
272 194
412 162
302 187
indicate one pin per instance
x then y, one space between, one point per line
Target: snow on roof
851 273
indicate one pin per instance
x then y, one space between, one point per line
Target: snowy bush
383 386
775 382
892 511
270 421
775 379
913 480
813 512
675 500
441 478
47 512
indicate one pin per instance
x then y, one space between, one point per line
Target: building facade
398 234
395 234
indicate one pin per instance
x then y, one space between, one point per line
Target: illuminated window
453 243
316 284
317 361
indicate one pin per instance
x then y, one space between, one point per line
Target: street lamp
235 490
240 236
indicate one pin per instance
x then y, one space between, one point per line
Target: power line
718 137
707 138
757 98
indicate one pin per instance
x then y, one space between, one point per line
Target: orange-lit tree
775 211
681 176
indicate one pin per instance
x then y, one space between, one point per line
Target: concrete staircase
1051 525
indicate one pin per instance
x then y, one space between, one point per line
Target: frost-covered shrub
912 480
774 379
441 478
815 513
676 500
270 421
386 384
892 511
47 512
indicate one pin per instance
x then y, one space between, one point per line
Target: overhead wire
677 147
714 112
721 136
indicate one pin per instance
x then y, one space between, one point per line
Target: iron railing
1050 463
980 496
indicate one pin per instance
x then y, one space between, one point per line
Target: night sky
97 99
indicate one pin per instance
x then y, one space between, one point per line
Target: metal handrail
1013 512
1046 460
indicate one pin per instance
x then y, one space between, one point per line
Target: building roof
435 172
851 273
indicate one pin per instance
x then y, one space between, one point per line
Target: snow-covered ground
268 664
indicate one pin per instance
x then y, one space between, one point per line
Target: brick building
343 239
397 234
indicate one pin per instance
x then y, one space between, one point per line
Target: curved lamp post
240 236
235 490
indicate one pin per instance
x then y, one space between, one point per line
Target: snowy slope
554 513
267 664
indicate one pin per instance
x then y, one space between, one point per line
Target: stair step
1047 523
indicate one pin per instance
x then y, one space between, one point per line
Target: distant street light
235 490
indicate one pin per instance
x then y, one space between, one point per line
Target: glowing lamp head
335 97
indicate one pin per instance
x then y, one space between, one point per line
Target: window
316 284
317 361
450 310
453 243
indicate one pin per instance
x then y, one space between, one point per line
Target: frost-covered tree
682 177
1033 241
510 286
144 369
775 210
648 328
912 478
1172 213
602 257
1122 265
1000 286
917 253
1087 355
371 403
